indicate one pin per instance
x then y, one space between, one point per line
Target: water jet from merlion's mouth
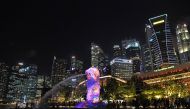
43 104
93 88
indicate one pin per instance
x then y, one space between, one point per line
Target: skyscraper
73 63
123 45
4 73
147 51
76 65
106 70
132 51
147 64
43 85
59 72
22 83
122 68
116 51
183 42
161 41
40 86
97 57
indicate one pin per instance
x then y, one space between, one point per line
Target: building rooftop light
158 22
20 63
158 16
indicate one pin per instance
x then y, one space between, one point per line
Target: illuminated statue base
91 105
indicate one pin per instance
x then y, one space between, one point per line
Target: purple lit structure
93 85
93 88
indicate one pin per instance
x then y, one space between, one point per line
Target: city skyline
37 32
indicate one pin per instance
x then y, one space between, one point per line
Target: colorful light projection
93 86
93 89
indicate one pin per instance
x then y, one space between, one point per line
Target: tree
127 91
111 89
174 90
153 92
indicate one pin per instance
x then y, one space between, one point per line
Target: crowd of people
136 104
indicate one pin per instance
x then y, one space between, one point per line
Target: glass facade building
183 42
122 68
116 51
97 57
132 51
40 86
43 85
161 42
147 51
59 71
4 72
147 64
22 86
76 65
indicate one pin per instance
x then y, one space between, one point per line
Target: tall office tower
123 45
116 51
58 70
183 42
122 68
76 65
147 64
22 83
40 86
73 63
97 57
47 84
132 51
106 70
147 51
4 73
133 46
43 85
162 42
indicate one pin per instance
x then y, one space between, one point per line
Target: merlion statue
93 85
93 89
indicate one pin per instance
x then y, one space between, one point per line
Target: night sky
35 31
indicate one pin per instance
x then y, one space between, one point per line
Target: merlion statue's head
92 73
